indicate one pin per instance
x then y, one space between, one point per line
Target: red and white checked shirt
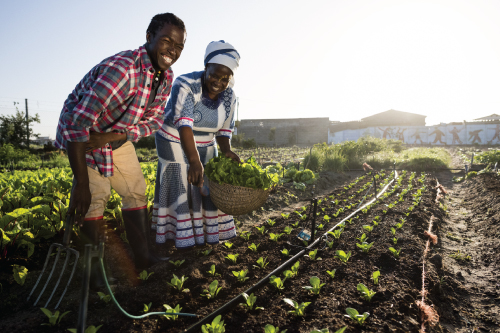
112 97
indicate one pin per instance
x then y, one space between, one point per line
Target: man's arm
80 193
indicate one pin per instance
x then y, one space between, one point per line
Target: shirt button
151 70
148 85
142 106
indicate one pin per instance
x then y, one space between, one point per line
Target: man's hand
80 202
99 140
233 156
195 173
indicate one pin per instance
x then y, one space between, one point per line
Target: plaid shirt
112 98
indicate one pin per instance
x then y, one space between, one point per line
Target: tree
13 128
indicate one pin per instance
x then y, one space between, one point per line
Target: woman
198 116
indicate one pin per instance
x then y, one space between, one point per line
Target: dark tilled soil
392 309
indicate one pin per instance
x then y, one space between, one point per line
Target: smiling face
165 46
217 78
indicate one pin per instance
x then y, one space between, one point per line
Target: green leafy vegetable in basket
221 169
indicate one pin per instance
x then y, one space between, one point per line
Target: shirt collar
147 65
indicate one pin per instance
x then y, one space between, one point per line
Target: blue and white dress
180 212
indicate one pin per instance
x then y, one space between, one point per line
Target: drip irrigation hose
232 303
101 264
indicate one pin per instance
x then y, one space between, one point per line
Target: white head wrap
223 53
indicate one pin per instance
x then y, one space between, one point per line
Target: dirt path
471 233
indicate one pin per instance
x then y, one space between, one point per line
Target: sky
341 59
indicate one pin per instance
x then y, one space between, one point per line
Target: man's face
165 47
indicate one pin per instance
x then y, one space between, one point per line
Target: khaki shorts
127 181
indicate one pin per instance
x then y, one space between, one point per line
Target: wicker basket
237 200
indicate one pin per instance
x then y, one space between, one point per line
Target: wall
468 134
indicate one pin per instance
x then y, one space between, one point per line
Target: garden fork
64 247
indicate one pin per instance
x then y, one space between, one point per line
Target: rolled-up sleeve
183 105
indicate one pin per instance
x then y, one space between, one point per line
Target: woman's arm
225 146
195 173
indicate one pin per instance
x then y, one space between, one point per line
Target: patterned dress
181 212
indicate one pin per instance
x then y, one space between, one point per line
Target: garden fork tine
61 247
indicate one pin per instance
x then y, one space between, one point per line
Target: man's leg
128 182
92 229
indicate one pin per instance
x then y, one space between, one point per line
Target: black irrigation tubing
230 305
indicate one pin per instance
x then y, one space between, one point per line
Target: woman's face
217 78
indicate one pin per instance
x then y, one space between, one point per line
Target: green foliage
375 276
245 235
104 297
250 302
221 169
206 252
54 318
315 286
365 292
178 283
228 245
275 237
288 230
336 233
147 307
332 273
144 275
271 222
285 252
313 255
14 129
271 329
232 257
217 326
212 290
241 275
254 247
90 329
177 263
395 252
342 256
261 262
261 229
277 282
212 271
299 309
169 309
20 273
285 215
356 317
365 246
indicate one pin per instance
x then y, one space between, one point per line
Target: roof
391 113
493 116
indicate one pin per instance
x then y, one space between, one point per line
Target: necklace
157 75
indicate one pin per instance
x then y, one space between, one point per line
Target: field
461 270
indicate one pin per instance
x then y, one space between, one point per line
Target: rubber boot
92 231
137 228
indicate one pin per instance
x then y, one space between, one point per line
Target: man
119 101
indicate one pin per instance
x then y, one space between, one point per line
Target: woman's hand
99 140
195 173
230 154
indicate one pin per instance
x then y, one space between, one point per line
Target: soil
465 293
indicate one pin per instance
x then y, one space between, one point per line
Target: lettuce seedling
395 240
336 233
89 329
206 252
298 308
312 255
271 329
349 221
331 273
212 271
262 229
320 227
395 252
19 272
315 286
104 297
147 307
245 235
232 257
375 276
399 225
285 252
303 217
365 246
329 244
295 268
217 326
375 223
304 208
228 245
250 302
362 238
368 228
385 212
288 230
342 256
288 274
177 263
169 309
354 315
393 231
377 218
144 275
271 222
365 292
296 224
285 216
212 290
254 247
261 262
177 283
54 318
241 275
275 237
277 282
